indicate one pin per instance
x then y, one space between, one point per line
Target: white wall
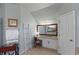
1 18
2 14
27 29
11 11
8 11
0 9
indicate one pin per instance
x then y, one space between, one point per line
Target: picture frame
12 22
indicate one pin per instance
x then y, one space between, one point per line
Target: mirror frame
49 25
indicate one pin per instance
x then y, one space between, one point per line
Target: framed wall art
12 22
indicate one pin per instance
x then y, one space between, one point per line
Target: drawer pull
48 42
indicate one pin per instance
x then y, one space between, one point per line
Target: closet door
66 33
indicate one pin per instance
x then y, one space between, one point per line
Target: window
11 35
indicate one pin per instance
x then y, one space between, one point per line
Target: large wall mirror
50 29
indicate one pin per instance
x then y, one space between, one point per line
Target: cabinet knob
48 42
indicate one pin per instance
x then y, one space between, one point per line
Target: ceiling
32 7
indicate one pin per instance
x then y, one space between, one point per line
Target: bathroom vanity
46 41
47 36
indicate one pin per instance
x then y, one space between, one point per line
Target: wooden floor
41 51
77 51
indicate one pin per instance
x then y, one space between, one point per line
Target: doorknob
71 40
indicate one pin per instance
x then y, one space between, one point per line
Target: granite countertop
47 37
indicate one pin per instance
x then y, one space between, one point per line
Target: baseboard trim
22 53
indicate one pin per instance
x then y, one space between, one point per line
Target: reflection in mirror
47 29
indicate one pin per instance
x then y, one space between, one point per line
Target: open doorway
56 39
45 40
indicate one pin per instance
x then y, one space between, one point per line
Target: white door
66 33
